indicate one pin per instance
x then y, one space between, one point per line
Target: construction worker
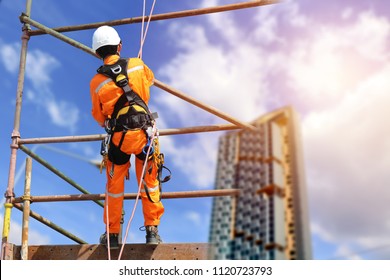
129 124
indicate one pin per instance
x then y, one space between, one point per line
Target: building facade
269 219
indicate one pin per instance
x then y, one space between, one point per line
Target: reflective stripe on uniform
153 189
106 81
116 195
135 68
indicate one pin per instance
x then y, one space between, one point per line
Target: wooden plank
169 251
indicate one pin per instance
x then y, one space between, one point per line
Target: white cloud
344 251
39 65
334 60
225 26
39 68
63 113
347 13
294 15
346 149
219 76
9 54
34 237
195 158
322 233
346 138
270 20
194 217
266 30
371 35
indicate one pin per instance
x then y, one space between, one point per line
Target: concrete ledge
170 251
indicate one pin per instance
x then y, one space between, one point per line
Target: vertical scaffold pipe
6 229
26 209
16 133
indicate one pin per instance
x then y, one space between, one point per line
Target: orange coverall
104 95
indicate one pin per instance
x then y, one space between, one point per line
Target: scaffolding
22 203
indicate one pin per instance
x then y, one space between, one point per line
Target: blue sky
328 60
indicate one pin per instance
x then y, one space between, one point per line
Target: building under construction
267 191
269 219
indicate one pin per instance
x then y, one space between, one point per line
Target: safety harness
130 113
126 117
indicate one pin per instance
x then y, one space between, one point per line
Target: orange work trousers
133 143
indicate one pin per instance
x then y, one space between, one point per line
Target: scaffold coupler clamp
9 195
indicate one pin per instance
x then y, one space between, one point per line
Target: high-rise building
269 219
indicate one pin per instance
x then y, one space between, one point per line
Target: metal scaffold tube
166 195
171 15
62 139
26 209
16 133
197 129
97 137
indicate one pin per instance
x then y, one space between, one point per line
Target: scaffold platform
163 251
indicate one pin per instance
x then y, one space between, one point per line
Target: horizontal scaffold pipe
156 17
62 139
196 129
98 137
165 195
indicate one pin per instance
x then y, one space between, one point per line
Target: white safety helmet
105 36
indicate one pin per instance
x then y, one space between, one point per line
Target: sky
329 60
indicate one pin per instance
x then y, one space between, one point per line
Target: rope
144 32
139 191
107 225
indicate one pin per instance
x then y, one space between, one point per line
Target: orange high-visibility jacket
104 92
